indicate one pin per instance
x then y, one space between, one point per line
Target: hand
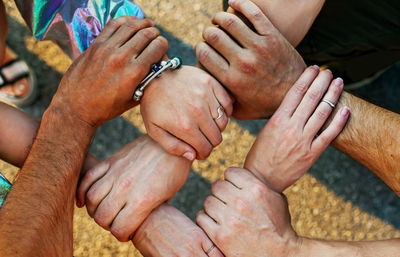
100 84
258 68
179 110
168 232
244 217
294 137
122 191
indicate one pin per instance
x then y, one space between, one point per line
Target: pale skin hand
179 109
41 223
245 217
168 232
237 216
258 69
122 191
293 138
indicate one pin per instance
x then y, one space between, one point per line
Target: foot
20 87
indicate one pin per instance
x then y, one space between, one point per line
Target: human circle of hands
127 193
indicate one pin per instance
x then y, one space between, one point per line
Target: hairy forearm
372 137
41 201
319 248
292 18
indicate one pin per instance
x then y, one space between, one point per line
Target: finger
296 93
212 61
96 194
154 52
235 27
312 97
324 110
207 224
254 14
127 30
194 137
112 26
214 208
210 130
136 44
221 42
223 98
240 178
90 177
109 208
209 247
170 143
128 220
332 131
224 191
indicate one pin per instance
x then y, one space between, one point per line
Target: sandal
10 73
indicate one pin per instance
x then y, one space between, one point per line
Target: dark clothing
356 38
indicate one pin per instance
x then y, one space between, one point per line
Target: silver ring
329 102
221 112
209 250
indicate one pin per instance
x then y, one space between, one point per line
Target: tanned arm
39 208
36 218
372 137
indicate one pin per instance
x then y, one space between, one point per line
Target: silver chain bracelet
156 70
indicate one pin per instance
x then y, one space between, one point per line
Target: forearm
319 248
17 131
292 18
42 199
372 137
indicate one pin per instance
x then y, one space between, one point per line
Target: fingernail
21 87
345 111
328 70
338 82
188 155
315 67
230 2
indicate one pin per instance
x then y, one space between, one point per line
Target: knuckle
300 88
119 234
114 23
234 222
116 60
91 198
314 95
211 35
172 148
222 238
186 125
241 205
132 24
259 191
264 46
256 14
149 33
216 185
161 43
322 114
229 23
247 65
101 219
124 185
145 202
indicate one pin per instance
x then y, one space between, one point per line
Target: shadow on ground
338 172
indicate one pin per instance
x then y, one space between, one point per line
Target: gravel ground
337 199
